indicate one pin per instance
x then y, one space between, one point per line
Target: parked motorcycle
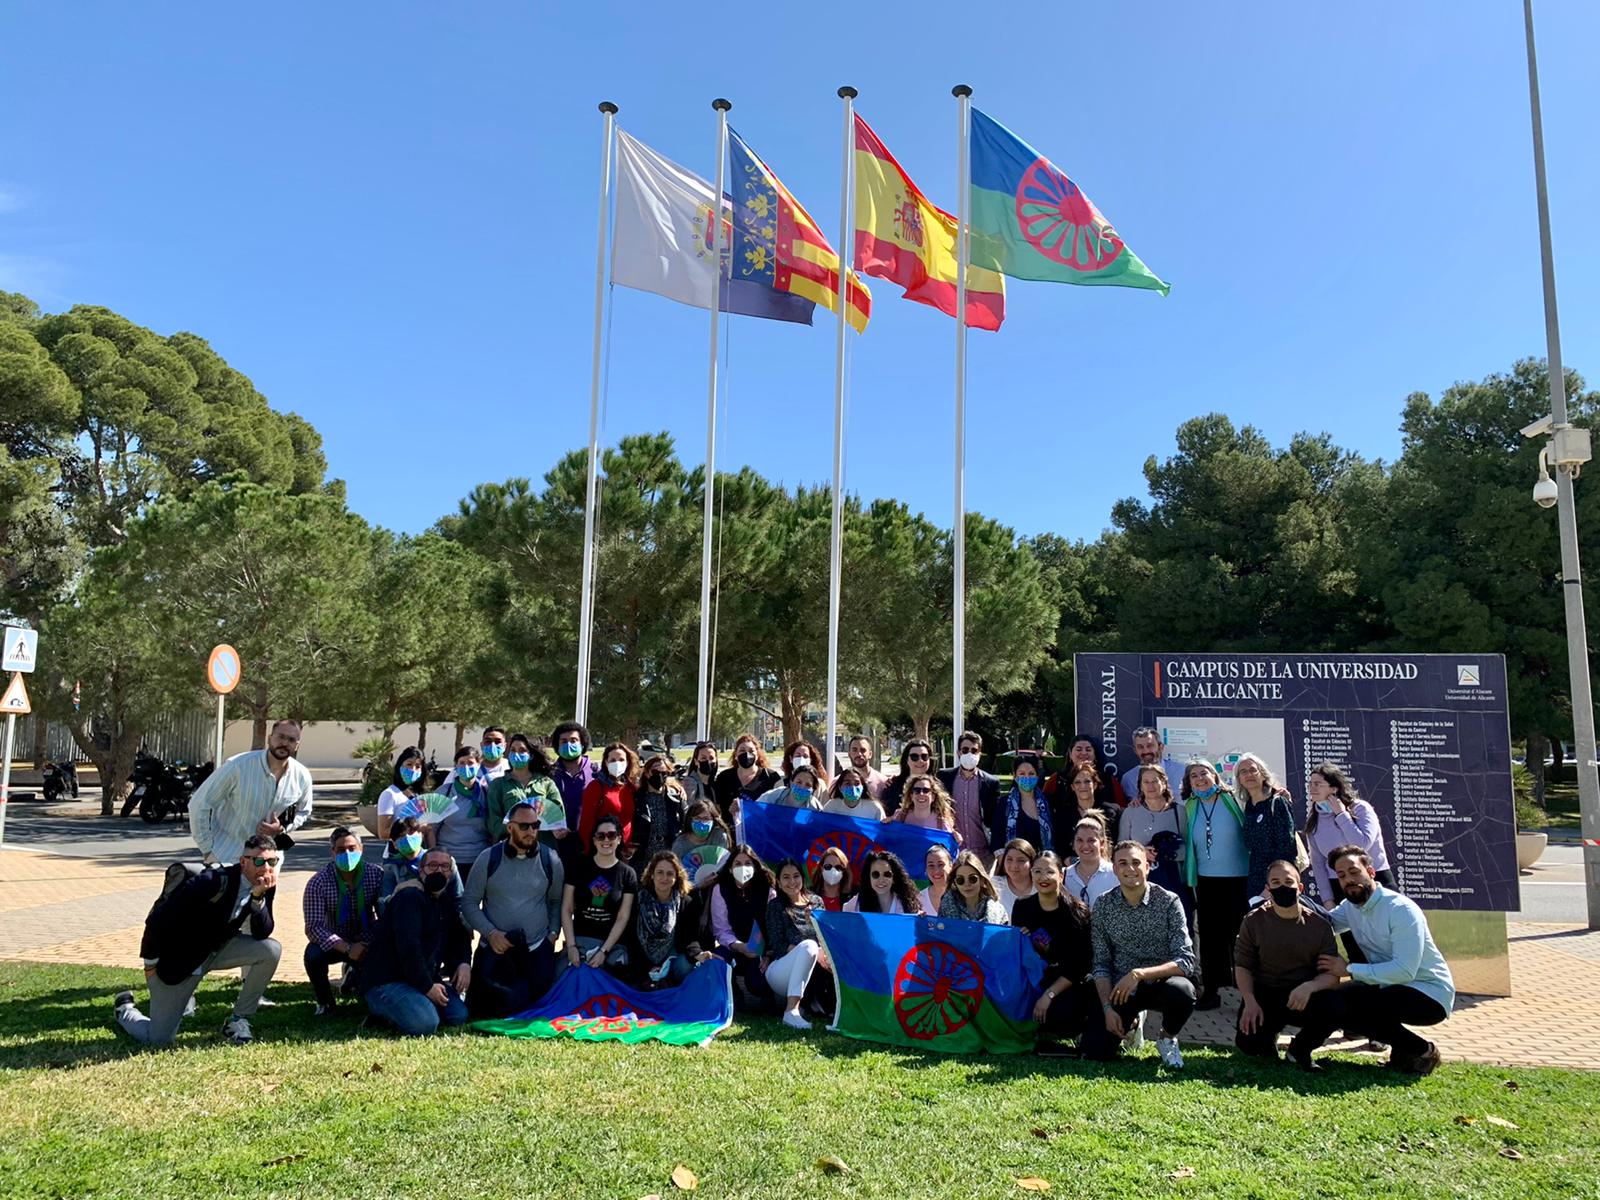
60 779
159 790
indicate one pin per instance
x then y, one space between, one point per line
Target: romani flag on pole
1030 221
902 237
778 245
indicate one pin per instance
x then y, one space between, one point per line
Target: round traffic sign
222 669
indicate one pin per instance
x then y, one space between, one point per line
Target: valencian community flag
590 1005
1030 221
955 986
778 245
775 831
662 240
902 237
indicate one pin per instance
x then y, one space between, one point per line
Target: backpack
176 876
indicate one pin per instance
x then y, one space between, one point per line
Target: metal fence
189 736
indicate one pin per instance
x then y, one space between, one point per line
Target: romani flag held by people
590 1005
904 238
936 984
1030 221
776 832
778 245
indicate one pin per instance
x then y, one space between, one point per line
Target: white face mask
617 769
798 761
744 873
832 874
969 761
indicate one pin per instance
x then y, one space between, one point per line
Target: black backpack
176 876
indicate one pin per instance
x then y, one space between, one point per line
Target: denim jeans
411 1012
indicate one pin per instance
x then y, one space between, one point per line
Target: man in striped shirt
250 794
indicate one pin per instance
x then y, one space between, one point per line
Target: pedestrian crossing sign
21 649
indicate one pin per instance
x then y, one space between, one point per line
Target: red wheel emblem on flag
1063 224
937 989
856 847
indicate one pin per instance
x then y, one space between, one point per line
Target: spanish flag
775 241
903 238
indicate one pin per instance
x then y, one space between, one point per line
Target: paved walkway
56 908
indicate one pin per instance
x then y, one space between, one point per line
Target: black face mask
658 779
1285 896
435 883
708 768
747 759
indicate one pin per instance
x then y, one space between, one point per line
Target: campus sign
1425 738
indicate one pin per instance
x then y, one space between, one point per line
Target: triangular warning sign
15 701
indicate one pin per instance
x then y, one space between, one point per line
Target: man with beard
1404 981
1147 752
266 792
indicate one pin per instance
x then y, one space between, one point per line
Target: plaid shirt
322 907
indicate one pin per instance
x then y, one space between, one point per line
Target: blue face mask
851 792
466 773
702 828
1027 782
519 759
408 845
801 794
492 751
347 860
1207 794
571 749
410 774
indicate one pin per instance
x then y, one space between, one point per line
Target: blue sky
384 214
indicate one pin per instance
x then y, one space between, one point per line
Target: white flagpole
836 545
580 707
702 722
963 95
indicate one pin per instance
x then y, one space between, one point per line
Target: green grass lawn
315 1110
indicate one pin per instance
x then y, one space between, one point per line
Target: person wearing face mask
849 797
408 769
833 882
702 843
403 859
657 809
738 909
885 887
416 971
936 863
215 918
341 908
464 829
526 781
1403 980
1217 867
513 903
748 778
916 758
864 758
492 749
1275 965
801 754
573 771
1057 923
799 792
974 793
971 895
698 781
613 794
1024 812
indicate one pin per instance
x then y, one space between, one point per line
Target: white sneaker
237 1031
795 1021
1170 1056
1133 1040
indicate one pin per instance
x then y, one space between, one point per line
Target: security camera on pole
18 654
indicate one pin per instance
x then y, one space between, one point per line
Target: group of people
552 860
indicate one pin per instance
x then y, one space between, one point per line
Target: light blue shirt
1098 884
1173 768
1227 854
1393 933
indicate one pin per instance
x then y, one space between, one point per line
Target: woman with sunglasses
916 758
1057 923
598 900
972 896
833 882
848 797
927 805
885 888
937 863
1013 874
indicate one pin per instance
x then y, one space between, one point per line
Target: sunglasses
882 875
920 756
266 862
922 791
524 825
609 836
963 879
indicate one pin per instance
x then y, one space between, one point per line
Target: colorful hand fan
429 808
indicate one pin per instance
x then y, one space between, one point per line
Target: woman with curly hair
927 805
885 886
666 941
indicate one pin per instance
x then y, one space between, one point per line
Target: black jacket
420 940
642 829
988 793
198 919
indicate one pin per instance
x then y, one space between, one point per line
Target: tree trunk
422 738
920 722
793 706
258 714
1558 768
41 747
1537 743
461 737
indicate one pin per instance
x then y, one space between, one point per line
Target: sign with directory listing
1425 738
